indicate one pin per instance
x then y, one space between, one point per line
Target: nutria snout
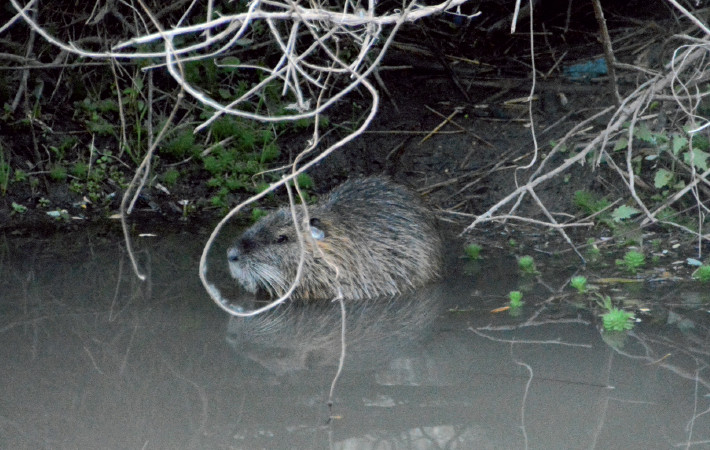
369 237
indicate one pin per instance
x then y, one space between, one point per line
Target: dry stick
693 19
608 51
142 172
412 13
26 72
458 125
556 225
530 112
124 139
629 164
621 114
488 215
439 55
457 110
17 16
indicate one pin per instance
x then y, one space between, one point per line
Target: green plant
20 209
304 181
473 251
20 175
43 202
632 261
170 177
80 170
615 319
526 264
5 172
592 249
515 299
58 173
181 145
702 274
257 213
580 283
589 203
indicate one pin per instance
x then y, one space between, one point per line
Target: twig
608 51
457 110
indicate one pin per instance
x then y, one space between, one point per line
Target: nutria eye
281 239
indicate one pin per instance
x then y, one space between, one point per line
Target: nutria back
369 237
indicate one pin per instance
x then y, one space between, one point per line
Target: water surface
91 357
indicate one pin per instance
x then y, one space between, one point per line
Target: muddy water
90 357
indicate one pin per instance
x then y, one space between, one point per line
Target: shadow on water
93 358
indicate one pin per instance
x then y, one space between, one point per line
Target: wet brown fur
379 240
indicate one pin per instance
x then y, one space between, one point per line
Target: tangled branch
685 84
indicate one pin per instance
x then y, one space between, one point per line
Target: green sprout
515 299
615 319
527 265
580 283
632 261
473 252
702 274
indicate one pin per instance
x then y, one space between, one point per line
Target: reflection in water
92 358
308 337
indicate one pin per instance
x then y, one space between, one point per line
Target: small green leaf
700 159
621 144
679 142
644 134
662 178
624 212
231 60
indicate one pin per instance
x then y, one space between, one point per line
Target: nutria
370 237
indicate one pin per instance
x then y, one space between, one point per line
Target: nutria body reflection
370 237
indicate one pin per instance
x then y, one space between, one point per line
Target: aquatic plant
527 265
632 261
580 283
473 251
515 299
702 274
615 319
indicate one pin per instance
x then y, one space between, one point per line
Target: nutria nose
233 254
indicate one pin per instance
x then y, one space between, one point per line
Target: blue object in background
587 70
